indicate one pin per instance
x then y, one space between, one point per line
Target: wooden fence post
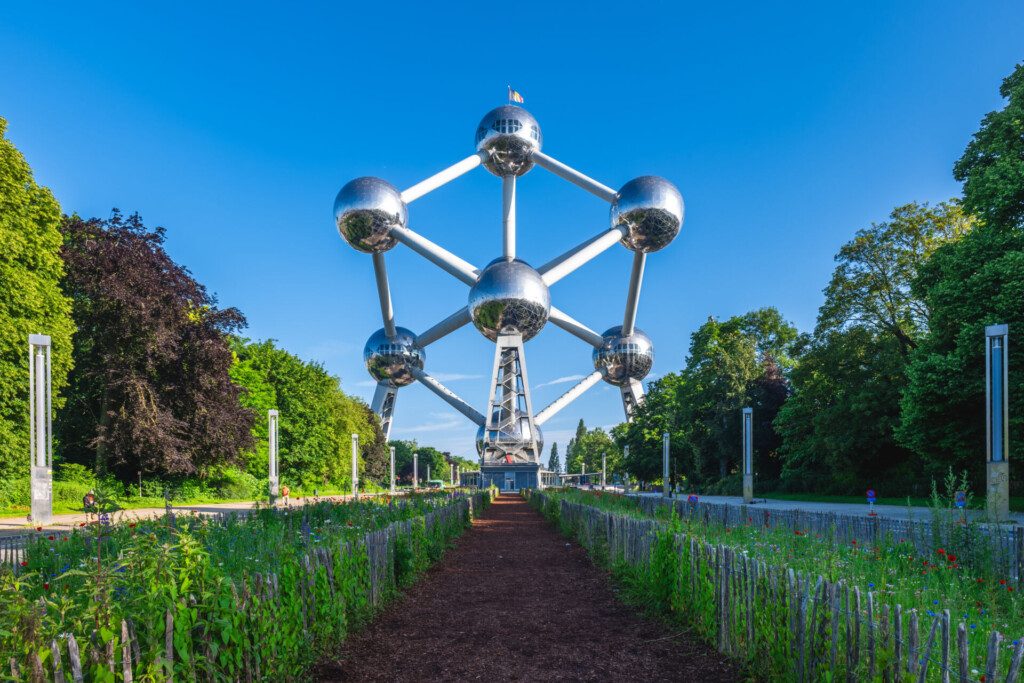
126 653
74 659
169 645
993 653
961 643
924 661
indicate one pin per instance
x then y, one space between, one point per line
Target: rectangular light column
415 470
748 455
665 492
604 470
355 466
997 419
272 452
625 461
391 487
41 428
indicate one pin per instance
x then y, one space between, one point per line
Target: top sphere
510 135
509 297
623 358
651 209
366 210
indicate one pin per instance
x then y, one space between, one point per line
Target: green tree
316 423
31 300
554 463
992 166
150 389
839 426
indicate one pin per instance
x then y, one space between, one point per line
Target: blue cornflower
931 613
935 602
871 585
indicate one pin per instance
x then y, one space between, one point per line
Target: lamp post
625 478
748 455
665 492
355 465
391 488
272 416
41 427
604 470
415 470
997 414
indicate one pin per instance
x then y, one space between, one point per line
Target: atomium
366 210
624 357
509 297
509 301
509 135
391 360
651 210
508 440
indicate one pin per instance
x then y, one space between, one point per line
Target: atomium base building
508 301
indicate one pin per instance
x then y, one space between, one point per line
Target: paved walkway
855 509
16 526
515 601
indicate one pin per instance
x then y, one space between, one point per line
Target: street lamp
40 427
997 427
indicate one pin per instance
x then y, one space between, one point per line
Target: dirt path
514 601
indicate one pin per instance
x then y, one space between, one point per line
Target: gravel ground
514 601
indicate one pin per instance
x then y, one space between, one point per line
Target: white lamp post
997 427
748 455
40 427
272 449
392 486
665 492
355 465
415 470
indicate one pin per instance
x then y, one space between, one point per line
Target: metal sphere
508 441
366 210
624 357
651 209
510 135
390 360
509 297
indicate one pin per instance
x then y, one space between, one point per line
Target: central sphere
509 297
510 135
389 360
623 357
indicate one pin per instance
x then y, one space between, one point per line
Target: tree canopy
150 389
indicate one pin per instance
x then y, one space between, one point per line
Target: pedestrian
89 502
284 493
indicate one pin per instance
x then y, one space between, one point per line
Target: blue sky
234 125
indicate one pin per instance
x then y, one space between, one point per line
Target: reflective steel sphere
651 209
510 135
624 358
508 442
389 360
509 297
365 210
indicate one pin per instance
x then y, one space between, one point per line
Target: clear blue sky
786 128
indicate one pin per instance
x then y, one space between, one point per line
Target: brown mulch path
513 600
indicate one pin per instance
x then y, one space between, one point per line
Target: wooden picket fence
823 630
1003 545
124 657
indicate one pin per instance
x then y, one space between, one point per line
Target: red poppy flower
24 564
1002 582
940 551
50 537
1009 588
46 586
951 557
39 528
81 524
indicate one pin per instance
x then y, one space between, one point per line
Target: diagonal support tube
557 268
463 270
443 177
575 177
575 327
636 279
445 327
446 395
508 216
380 273
568 397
